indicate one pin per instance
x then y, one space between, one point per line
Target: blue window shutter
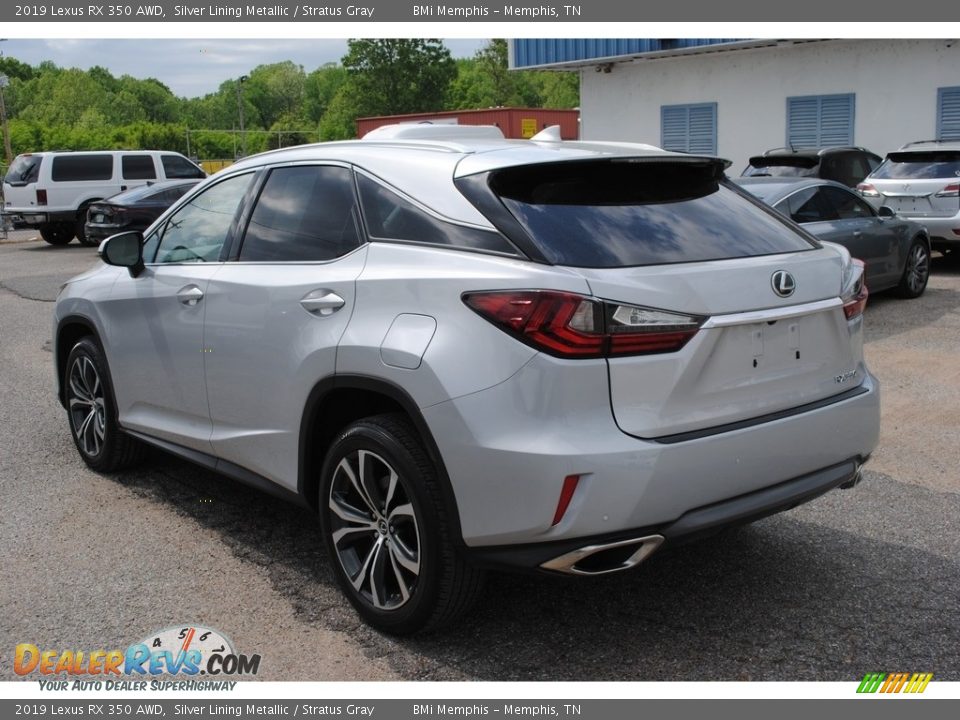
803 121
948 113
820 120
689 128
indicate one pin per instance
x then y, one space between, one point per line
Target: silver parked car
896 251
921 181
466 352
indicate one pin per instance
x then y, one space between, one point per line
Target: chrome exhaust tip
605 558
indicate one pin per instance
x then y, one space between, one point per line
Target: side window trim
369 236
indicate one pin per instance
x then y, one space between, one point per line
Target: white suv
464 352
921 182
51 191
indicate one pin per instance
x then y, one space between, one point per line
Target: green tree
319 88
274 91
486 81
398 75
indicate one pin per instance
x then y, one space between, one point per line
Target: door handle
858 233
322 302
190 295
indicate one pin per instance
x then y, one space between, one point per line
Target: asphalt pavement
862 580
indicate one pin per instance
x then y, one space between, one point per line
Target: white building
737 98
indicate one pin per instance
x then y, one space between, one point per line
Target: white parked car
468 352
51 191
921 182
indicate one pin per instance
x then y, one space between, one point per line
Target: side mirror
886 212
124 250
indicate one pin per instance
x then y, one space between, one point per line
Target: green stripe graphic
871 682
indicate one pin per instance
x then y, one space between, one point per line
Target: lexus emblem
783 283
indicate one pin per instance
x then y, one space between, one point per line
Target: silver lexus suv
466 352
921 182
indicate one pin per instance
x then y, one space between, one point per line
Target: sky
193 67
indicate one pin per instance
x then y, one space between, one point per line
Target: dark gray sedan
896 251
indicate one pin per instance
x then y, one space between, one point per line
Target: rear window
176 167
775 166
919 166
25 169
67 168
623 213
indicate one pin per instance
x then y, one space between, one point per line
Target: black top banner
586 11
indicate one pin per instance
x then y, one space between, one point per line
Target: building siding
895 86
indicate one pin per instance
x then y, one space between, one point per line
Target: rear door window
176 167
621 213
304 213
848 205
138 167
70 168
808 206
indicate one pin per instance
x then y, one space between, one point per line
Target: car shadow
887 315
800 596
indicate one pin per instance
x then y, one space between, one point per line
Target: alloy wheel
87 406
918 269
375 531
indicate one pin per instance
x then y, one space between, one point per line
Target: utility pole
243 136
8 151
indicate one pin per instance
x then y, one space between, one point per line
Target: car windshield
919 166
623 213
144 192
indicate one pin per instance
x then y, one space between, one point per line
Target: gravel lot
857 581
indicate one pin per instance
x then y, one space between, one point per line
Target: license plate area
753 354
774 344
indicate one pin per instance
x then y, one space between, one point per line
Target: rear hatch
671 241
918 183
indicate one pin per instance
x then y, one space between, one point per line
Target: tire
57 233
92 411
916 270
391 549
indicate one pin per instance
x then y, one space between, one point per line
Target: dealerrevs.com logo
911 683
190 650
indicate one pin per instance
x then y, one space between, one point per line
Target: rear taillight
950 191
855 291
867 190
41 197
569 325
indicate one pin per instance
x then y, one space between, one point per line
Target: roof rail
429 131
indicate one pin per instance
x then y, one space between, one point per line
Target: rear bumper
38 218
622 550
508 449
99 233
944 232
